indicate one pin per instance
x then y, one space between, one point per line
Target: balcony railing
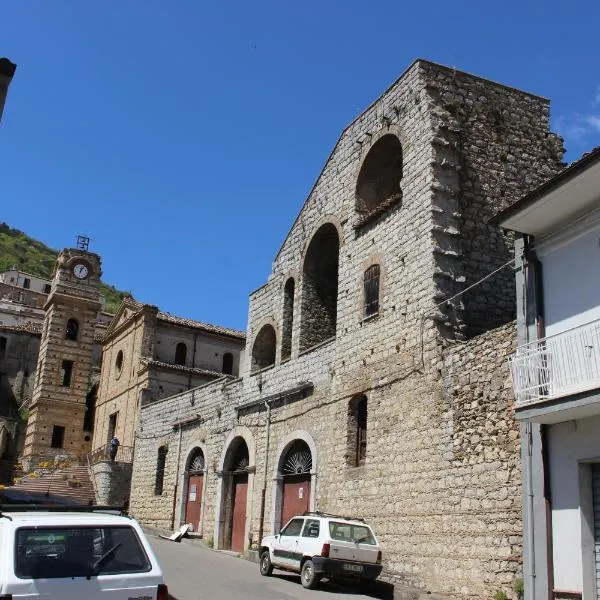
558 365
124 454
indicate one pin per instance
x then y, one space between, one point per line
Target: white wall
569 444
571 278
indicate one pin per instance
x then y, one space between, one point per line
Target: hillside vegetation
19 250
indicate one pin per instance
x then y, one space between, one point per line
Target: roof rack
318 513
11 508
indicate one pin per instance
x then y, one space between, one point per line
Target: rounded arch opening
196 462
378 183
320 287
264 348
72 330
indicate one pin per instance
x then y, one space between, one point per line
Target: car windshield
348 532
52 552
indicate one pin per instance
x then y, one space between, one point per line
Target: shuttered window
371 288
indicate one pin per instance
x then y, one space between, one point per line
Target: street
193 572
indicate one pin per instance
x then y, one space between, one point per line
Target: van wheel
266 568
308 577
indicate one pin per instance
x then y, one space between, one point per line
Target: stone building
57 423
7 71
148 355
375 381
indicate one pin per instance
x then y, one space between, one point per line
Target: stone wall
440 481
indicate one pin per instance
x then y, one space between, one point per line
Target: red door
194 501
238 517
296 496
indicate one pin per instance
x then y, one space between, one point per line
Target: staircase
69 482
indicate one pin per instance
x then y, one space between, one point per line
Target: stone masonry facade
408 189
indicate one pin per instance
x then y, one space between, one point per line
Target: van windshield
53 552
348 532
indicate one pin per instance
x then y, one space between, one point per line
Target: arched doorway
235 482
295 468
195 487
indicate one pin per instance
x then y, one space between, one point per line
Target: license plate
355 568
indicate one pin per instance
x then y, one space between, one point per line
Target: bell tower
56 414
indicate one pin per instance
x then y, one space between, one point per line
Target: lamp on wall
259 381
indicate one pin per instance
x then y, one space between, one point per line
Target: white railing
558 365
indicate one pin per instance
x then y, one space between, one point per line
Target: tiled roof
33 328
182 368
216 329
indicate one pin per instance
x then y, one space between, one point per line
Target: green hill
19 250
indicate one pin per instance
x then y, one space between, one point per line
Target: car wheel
308 577
266 568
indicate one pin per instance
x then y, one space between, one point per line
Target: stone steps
70 482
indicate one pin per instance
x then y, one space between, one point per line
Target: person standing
114 446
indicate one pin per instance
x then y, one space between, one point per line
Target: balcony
559 365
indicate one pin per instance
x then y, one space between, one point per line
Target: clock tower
56 414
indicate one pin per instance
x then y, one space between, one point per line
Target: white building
25 280
556 377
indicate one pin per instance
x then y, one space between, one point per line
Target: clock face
80 271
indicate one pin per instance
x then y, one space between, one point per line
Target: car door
285 551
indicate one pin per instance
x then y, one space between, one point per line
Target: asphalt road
193 572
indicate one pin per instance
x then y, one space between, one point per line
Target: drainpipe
176 479
531 515
263 492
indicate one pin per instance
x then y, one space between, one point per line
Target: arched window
72 330
180 353
263 350
371 290
160 470
378 184
288 318
357 431
320 288
227 363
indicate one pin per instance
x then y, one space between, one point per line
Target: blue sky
184 136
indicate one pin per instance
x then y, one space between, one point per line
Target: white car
76 553
322 545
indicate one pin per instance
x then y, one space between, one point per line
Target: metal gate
238 516
596 496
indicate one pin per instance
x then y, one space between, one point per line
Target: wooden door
296 496
194 501
238 517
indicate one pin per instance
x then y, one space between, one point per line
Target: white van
76 553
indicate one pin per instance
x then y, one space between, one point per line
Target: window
263 350
349 532
371 290
227 363
66 373
58 436
72 330
357 431
160 470
288 319
119 362
3 344
294 527
311 528
47 288
318 316
378 183
26 283
67 552
180 353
